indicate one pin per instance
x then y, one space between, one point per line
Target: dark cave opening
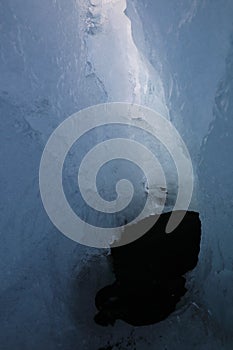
150 274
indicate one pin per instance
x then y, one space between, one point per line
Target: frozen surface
216 169
57 57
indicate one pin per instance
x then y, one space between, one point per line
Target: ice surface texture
48 71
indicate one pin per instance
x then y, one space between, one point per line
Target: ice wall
215 173
50 67
41 71
192 40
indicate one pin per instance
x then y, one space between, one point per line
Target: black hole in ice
149 274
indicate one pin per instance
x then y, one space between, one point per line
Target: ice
215 182
57 57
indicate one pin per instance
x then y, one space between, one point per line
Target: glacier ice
58 57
